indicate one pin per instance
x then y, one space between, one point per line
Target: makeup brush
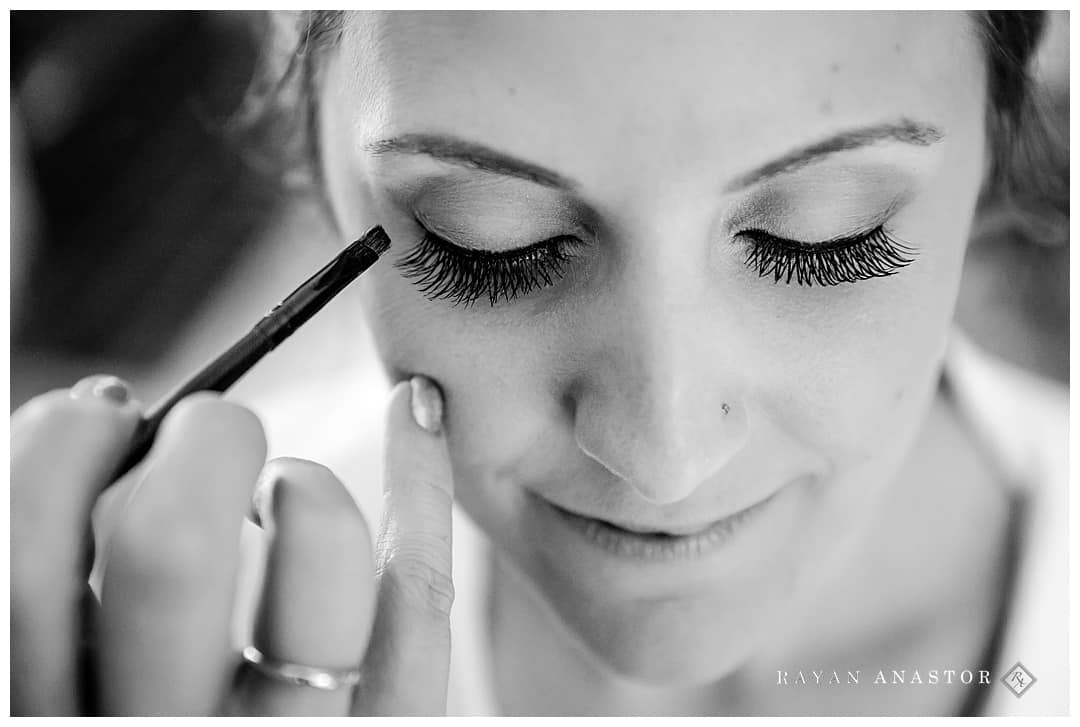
218 375
280 323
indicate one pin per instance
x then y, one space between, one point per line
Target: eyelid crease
492 255
840 241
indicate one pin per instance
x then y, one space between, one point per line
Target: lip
669 530
638 543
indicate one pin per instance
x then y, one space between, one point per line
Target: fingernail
427 404
255 513
109 388
261 503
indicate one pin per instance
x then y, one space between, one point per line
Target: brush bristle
377 240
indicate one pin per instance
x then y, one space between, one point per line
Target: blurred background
144 238
145 235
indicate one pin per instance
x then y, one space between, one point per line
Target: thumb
407 664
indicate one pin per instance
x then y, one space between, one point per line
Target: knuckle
421 577
167 547
428 495
217 419
430 481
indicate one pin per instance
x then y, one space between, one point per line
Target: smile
651 544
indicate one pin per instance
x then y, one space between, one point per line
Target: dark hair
282 98
1029 158
1010 39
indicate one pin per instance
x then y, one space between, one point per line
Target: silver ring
300 674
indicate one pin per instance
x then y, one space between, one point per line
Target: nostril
663 436
661 469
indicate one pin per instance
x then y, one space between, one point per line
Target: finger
318 599
407 663
64 447
168 591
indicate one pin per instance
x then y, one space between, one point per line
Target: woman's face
616 183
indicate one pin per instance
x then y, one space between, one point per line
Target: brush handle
218 375
265 336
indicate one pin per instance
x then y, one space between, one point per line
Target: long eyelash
443 270
874 254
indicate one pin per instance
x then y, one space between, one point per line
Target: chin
667 644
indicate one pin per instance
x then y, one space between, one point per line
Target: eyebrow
905 131
469 154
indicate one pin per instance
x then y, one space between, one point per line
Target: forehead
575 90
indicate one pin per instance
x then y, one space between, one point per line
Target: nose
658 399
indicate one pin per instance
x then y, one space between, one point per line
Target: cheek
851 367
493 372
492 367
502 420
851 377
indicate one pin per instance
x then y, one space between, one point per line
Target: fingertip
413 451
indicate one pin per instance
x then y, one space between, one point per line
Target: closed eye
443 270
847 259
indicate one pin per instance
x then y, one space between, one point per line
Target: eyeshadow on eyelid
494 228
498 216
842 196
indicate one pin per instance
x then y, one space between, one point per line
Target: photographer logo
1018 679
